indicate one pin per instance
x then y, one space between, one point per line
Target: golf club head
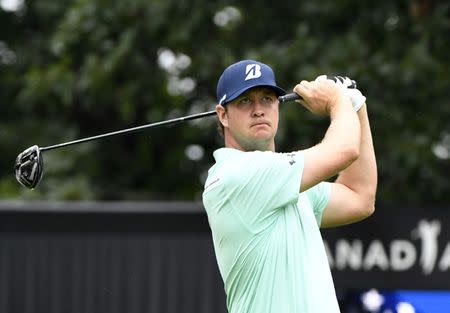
29 167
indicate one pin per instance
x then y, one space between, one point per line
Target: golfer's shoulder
243 160
233 164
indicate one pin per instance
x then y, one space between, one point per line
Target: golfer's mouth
260 123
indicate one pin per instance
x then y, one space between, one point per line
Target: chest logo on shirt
291 155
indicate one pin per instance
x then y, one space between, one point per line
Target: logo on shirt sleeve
214 183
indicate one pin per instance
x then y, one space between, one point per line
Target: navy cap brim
279 91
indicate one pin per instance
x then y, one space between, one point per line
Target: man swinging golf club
265 208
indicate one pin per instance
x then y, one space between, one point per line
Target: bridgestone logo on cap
252 71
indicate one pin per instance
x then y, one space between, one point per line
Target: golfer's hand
320 96
349 85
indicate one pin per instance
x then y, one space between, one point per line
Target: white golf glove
356 97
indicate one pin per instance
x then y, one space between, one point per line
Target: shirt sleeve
262 182
319 195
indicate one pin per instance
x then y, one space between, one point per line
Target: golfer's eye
244 101
268 99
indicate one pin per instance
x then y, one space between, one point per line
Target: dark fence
107 257
158 256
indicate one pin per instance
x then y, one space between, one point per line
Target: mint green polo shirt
266 234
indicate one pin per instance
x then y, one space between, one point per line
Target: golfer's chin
261 141
262 133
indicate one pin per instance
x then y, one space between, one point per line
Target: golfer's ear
222 114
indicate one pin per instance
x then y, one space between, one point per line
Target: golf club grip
289 97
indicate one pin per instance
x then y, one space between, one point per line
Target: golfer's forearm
361 175
342 139
338 149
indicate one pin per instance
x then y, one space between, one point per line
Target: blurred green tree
71 69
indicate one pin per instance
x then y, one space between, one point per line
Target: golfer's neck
230 142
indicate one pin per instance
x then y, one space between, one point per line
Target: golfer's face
253 119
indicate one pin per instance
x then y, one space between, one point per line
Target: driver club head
29 167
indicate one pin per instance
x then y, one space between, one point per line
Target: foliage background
76 68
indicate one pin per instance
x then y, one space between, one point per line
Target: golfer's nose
258 109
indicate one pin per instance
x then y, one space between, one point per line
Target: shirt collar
222 154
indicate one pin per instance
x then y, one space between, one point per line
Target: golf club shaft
131 130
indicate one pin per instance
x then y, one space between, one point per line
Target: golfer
265 208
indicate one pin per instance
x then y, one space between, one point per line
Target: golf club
29 165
